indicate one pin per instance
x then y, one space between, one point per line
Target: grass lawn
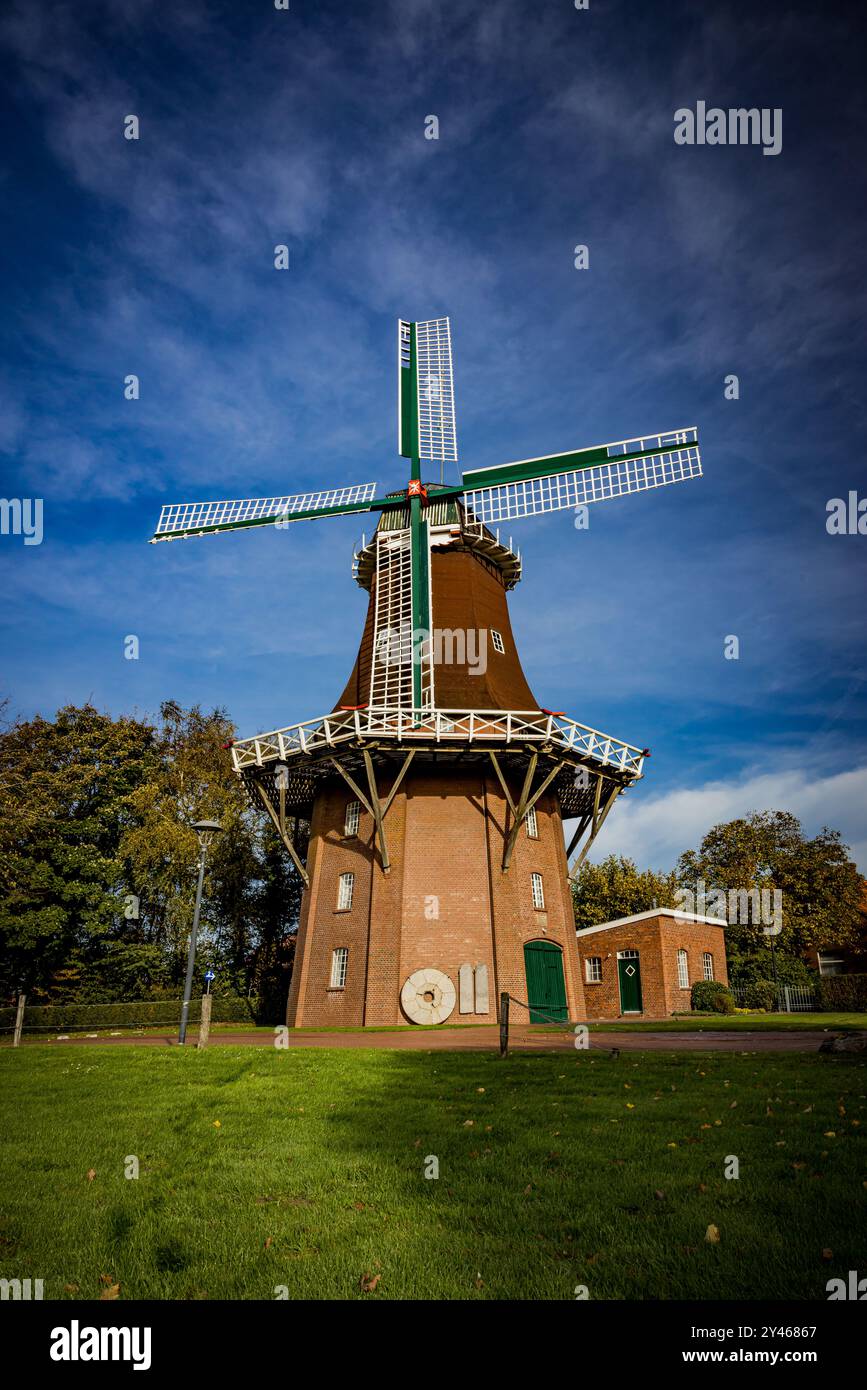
305 1169
751 1023
757 1022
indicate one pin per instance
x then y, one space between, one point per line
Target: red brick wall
444 903
657 939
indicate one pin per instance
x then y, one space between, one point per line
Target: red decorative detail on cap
352 706
230 744
557 713
416 488
645 752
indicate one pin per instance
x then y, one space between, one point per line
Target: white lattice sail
557 491
437 438
179 519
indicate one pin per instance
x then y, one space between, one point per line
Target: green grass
314 1177
751 1023
757 1023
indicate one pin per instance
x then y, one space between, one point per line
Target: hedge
761 994
69 1018
844 993
711 996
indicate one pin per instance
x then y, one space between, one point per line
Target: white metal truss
180 518
391 668
449 727
578 487
437 438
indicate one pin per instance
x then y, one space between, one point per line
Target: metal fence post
19 1020
504 1024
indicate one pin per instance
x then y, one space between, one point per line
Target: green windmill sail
426 432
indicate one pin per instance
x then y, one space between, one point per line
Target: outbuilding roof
672 912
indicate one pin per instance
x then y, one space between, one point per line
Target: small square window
339 961
538 892
344 892
593 970
532 824
353 816
497 639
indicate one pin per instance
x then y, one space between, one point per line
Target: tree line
98 861
98 865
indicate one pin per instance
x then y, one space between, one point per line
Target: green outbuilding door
546 987
629 973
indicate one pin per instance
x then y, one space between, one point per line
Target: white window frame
339 965
593 970
345 890
824 958
532 824
537 888
682 968
352 819
707 965
497 641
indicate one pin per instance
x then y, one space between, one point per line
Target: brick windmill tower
437 873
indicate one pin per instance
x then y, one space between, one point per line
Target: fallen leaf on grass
70 1288
113 1291
659 1195
269 1241
91 1174
711 1235
369 1282
827 1254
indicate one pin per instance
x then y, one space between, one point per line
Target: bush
709 996
761 994
844 993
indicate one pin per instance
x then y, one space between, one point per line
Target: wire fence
535 1016
112 1019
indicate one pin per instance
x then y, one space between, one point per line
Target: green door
546 987
629 971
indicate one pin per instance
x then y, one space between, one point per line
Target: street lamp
205 830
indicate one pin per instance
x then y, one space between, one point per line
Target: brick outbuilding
646 965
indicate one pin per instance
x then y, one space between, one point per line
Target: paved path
485 1038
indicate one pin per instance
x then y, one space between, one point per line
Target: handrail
445 726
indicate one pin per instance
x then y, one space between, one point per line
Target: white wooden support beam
280 827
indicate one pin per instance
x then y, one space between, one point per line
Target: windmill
421 734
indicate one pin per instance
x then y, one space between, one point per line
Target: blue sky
306 127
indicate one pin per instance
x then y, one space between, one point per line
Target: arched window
682 969
708 965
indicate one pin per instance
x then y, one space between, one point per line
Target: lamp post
205 830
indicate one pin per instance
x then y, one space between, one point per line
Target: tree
64 786
98 860
616 888
818 888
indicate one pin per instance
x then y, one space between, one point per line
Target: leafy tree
819 886
616 888
98 861
64 788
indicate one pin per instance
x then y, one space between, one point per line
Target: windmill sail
560 481
426 397
179 519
